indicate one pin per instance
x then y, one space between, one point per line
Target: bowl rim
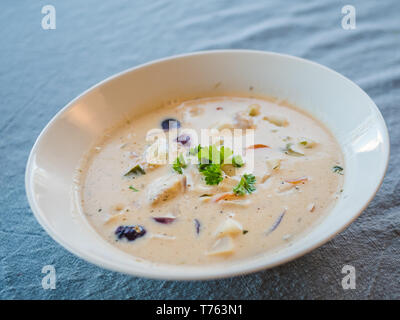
37 211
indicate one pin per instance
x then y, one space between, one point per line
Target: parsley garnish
211 159
179 164
212 174
246 185
245 231
134 189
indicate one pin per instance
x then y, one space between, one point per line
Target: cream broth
170 213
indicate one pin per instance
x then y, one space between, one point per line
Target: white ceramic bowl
346 109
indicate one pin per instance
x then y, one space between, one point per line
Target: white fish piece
166 187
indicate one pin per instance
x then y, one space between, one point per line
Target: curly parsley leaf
245 185
212 174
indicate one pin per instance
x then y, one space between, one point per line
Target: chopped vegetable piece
246 185
134 189
211 159
164 220
229 227
170 123
179 164
311 207
183 139
254 110
195 150
237 161
274 164
291 150
258 146
307 143
197 226
130 232
285 186
225 153
136 170
222 246
277 222
298 181
227 197
277 120
338 169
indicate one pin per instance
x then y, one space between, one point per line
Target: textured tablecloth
42 70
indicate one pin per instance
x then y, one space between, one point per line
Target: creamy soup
163 188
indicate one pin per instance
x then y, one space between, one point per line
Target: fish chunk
165 188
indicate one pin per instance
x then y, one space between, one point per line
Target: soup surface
211 180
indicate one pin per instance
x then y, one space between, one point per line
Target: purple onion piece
170 123
183 139
277 222
130 232
164 220
197 225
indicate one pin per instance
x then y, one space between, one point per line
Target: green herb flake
136 170
133 189
211 159
245 231
237 161
338 170
179 164
246 185
291 151
212 174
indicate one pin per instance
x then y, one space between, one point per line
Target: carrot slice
258 146
227 196
297 181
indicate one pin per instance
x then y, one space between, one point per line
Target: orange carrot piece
227 196
258 146
298 181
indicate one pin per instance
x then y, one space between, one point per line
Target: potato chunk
277 120
165 188
222 246
229 227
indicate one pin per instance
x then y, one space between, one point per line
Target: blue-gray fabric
42 70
